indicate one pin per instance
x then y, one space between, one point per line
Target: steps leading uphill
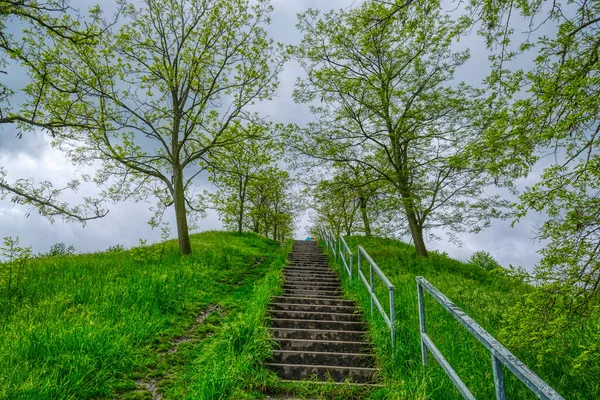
319 334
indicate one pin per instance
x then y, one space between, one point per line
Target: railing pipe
370 285
500 354
346 253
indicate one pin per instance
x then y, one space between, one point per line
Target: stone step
303 300
300 263
310 276
312 315
312 307
318 334
303 278
335 346
334 288
313 296
318 284
324 372
323 358
313 293
309 270
317 324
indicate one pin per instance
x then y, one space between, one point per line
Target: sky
126 222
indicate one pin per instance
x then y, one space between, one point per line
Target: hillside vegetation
119 324
487 297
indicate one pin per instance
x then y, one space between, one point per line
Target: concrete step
335 346
324 372
315 271
311 276
303 278
317 324
308 264
312 296
334 288
303 300
323 358
314 293
312 307
318 334
312 315
304 284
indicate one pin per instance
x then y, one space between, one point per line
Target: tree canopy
153 98
379 83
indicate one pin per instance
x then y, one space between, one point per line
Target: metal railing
500 354
345 256
341 249
370 284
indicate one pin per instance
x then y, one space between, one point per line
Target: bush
484 260
60 249
117 248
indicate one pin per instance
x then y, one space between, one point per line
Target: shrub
60 249
484 260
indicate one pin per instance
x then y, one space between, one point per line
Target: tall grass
78 326
483 295
230 363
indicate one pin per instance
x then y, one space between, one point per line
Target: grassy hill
486 297
123 324
118 324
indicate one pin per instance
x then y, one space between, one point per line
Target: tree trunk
242 198
365 215
183 233
416 229
416 232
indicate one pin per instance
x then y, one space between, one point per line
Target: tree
233 169
550 112
51 19
387 103
274 205
335 207
152 99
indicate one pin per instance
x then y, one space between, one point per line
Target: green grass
483 295
87 326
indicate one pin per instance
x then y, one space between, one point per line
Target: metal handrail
345 253
389 320
331 241
500 354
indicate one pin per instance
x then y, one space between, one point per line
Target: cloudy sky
126 222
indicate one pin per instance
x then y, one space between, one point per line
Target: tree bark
365 215
183 233
242 198
416 231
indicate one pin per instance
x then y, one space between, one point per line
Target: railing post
498 378
393 318
422 326
358 265
350 267
372 285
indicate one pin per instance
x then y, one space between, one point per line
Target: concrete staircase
319 333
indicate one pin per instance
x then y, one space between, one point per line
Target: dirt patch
149 386
152 384
176 342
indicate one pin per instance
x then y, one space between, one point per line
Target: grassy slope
85 326
483 295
